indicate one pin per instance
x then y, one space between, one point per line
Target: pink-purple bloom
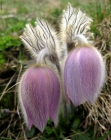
84 75
39 93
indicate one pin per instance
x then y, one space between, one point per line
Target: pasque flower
84 68
39 93
39 88
84 75
74 62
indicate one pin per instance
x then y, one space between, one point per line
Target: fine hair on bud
84 75
39 94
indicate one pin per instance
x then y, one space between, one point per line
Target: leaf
49 130
82 136
76 123
8 41
30 133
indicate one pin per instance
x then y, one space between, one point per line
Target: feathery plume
74 23
42 43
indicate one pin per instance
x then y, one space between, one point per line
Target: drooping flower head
83 71
39 94
84 68
84 75
39 89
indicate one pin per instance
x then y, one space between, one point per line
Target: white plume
74 24
41 41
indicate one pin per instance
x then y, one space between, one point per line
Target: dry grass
99 114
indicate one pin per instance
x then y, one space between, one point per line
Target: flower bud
39 93
84 75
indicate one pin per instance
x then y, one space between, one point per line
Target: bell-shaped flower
84 75
39 94
39 88
84 70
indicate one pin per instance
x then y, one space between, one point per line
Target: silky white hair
74 28
41 41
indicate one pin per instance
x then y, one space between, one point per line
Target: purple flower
84 75
39 93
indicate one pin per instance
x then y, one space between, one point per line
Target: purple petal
37 90
84 75
54 100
